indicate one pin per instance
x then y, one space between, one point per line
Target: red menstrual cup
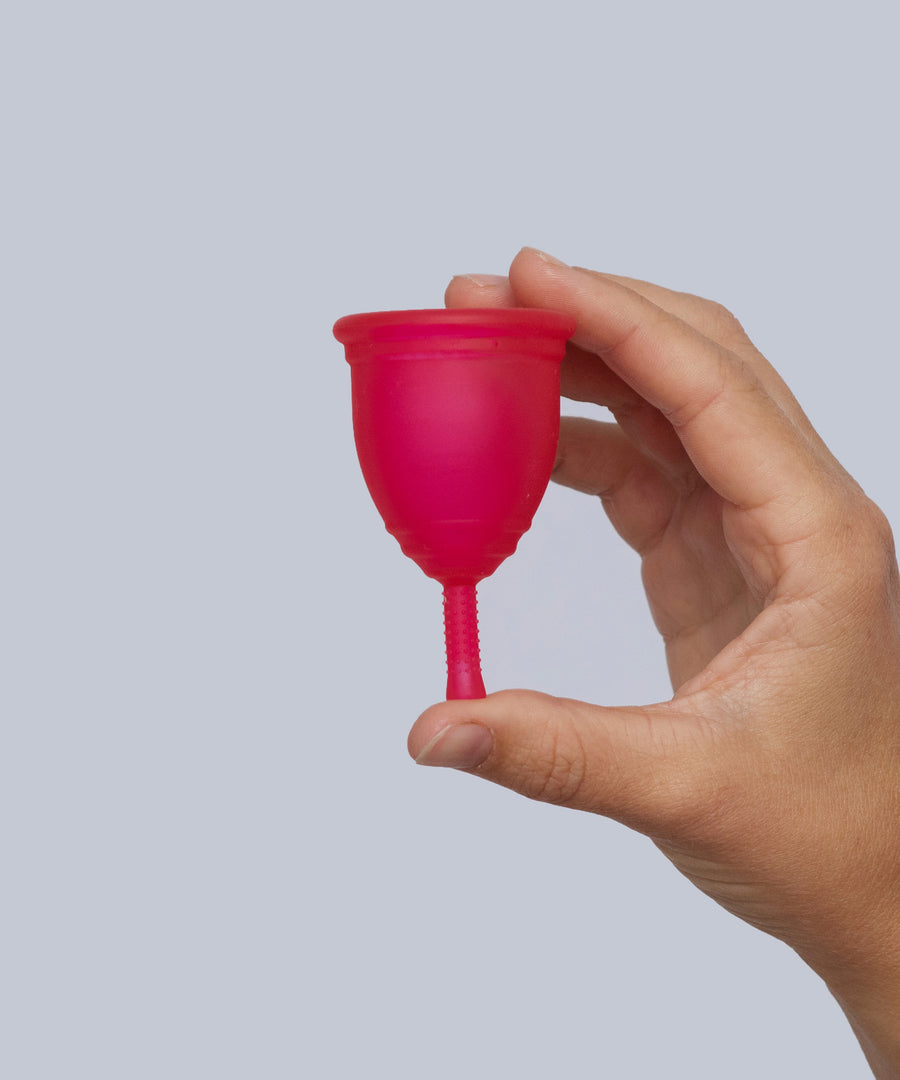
456 420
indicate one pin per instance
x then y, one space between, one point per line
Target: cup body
456 421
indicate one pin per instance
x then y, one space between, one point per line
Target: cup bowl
456 422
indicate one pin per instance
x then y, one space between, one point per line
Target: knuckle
722 324
855 547
880 528
722 315
873 548
864 529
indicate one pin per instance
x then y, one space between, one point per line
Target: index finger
718 324
740 440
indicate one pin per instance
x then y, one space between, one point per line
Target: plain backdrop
217 858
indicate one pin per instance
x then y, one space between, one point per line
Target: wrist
869 995
876 1024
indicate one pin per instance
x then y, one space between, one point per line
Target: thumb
636 764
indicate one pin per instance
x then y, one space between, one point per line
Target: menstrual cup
456 420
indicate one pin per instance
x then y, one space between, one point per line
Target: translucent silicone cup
456 421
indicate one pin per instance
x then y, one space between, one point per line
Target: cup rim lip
372 326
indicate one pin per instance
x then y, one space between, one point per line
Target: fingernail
483 281
551 259
459 746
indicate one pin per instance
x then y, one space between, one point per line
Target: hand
772 777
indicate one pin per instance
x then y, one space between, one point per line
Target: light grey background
217 859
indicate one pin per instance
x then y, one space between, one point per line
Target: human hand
772 778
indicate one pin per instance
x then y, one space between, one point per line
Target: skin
771 779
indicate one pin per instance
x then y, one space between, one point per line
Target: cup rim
418 323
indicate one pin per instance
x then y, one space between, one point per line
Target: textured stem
461 635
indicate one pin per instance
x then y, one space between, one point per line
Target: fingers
585 377
738 438
625 763
711 319
598 459
718 324
589 380
479 290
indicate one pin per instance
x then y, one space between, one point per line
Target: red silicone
461 637
456 419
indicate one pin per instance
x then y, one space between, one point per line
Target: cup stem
464 679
